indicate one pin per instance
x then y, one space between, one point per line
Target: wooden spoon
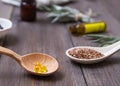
28 61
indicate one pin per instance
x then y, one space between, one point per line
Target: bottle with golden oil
86 28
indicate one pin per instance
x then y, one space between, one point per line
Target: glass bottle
85 28
28 10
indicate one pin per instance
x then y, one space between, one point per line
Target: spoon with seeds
28 61
82 58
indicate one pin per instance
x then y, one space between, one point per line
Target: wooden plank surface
38 37
107 72
54 39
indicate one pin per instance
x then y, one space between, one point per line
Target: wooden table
55 39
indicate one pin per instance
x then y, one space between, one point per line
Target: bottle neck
28 1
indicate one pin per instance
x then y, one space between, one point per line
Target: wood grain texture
104 73
40 36
55 39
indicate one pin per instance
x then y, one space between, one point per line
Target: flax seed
85 53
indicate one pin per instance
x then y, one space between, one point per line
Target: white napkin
39 2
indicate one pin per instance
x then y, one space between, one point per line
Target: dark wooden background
55 39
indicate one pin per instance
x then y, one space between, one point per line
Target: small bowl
6 24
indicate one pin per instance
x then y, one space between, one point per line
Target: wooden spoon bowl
28 62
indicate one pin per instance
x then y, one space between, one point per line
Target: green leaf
65 14
55 19
103 40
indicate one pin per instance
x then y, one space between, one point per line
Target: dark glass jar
28 10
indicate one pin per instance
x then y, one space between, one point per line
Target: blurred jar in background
28 10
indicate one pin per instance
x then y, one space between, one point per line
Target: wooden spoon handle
10 53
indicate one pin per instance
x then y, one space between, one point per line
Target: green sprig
67 14
103 40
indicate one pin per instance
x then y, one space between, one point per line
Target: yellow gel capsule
39 68
36 69
38 64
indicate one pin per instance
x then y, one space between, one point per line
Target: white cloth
39 2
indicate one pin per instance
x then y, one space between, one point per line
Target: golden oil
85 28
39 68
